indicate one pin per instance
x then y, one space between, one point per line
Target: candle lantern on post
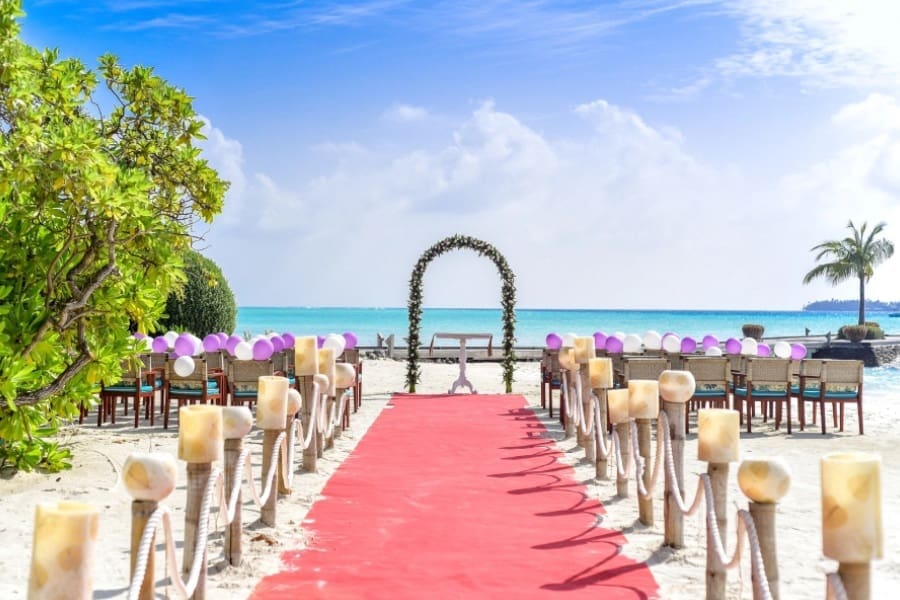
600 379
718 443
765 481
306 365
271 416
618 417
643 407
236 424
62 554
676 388
851 517
200 442
584 352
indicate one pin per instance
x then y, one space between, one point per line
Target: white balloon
198 345
782 350
243 351
170 338
148 343
620 335
569 340
631 343
344 375
672 343
749 347
335 342
652 340
713 351
184 366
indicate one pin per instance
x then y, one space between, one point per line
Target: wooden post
197 479
339 425
234 530
601 465
673 517
331 411
623 430
645 505
310 454
715 570
857 578
763 514
141 511
587 407
267 511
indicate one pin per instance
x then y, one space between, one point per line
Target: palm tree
854 256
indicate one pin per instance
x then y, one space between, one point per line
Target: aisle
457 497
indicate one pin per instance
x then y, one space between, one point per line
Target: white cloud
405 113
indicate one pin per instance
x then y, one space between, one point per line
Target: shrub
854 333
753 331
205 304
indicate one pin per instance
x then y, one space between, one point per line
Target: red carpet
457 497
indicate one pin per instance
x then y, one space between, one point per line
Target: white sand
100 453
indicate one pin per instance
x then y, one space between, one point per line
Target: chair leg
822 413
859 414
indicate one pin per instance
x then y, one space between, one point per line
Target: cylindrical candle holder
676 388
584 349
601 372
271 405
148 478
62 559
237 423
306 356
718 443
643 407
851 517
765 481
617 402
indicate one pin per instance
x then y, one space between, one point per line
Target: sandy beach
101 452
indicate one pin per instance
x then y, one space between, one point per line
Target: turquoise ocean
533 325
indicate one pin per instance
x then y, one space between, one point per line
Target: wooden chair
839 382
137 383
243 380
198 387
767 381
642 368
352 356
551 378
712 375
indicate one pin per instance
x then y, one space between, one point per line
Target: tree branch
57 385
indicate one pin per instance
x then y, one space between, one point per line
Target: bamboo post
676 388
716 576
623 430
311 453
339 423
570 420
197 479
857 580
765 481
587 408
268 510
601 465
233 532
645 505
331 412
141 511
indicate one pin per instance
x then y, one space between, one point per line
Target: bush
753 331
205 304
873 331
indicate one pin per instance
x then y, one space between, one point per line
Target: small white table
462 338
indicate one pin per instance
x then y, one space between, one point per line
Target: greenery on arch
507 302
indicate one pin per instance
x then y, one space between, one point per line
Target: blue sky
629 154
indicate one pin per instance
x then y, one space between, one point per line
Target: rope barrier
835 585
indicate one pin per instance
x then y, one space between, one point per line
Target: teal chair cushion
211 388
742 391
708 393
125 388
834 395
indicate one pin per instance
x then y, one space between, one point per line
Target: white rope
835 585
162 516
604 448
579 402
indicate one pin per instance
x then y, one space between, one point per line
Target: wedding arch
507 301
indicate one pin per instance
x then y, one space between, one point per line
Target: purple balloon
263 349
277 342
614 345
289 339
232 342
138 335
688 345
763 350
350 339
798 351
709 341
160 344
599 340
319 341
211 343
733 346
184 346
554 342
223 339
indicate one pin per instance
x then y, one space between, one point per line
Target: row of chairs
217 379
745 383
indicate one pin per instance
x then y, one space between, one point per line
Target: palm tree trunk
862 300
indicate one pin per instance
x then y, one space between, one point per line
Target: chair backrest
644 368
158 360
216 360
846 372
768 371
279 361
709 370
247 372
811 367
197 379
351 355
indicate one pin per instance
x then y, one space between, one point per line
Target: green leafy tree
205 304
100 183
856 255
